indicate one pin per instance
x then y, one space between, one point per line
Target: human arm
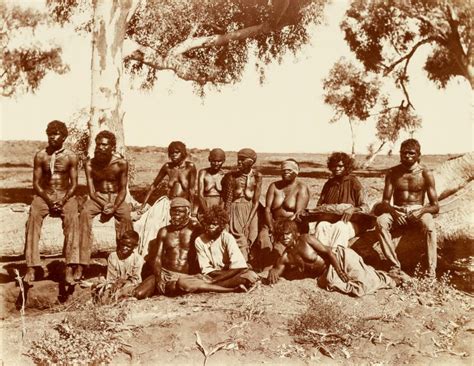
255 201
112 268
90 184
302 200
326 253
159 252
360 200
73 174
160 176
277 270
433 207
37 177
122 186
268 206
386 206
200 192
135 275
192 186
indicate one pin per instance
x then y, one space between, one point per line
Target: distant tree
207 42
385 35
351 92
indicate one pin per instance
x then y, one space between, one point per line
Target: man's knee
427 222
384 221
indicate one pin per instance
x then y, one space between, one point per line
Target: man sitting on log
407 184
175 257
107 176
54 183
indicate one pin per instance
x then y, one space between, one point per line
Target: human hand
415 215
273 276
250 276
246 230
56 208
400 219
347 213
298 216
342 274
108 209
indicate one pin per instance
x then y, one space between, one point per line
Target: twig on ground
22 309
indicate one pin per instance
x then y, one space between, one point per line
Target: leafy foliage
384 35
394 120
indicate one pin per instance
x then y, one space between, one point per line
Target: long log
455 222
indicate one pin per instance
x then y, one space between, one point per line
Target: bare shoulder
71 155
427 172
162 232
395 170
257 174
41 154
190 165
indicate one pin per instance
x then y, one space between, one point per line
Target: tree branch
409 55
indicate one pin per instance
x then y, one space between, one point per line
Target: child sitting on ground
124 268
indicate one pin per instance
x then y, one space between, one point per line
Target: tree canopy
385 36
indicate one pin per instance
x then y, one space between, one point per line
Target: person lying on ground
342 188
342 270
408 183
174 258
54 184
241 193
219 255
209 181
285 199
181 176
107 179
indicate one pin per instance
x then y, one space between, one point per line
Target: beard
102 157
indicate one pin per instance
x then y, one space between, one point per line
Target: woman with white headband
285 199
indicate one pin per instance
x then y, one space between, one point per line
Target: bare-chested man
54 183
241 193
174 256
341 270
209 181
285 199
181 176
407 184
107 177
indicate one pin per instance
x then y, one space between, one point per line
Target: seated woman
342 270
343 189
181 176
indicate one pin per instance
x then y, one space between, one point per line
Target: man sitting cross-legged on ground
219 255
107 176
407 183
175 256
342 270
54 183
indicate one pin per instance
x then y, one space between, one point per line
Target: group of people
209 232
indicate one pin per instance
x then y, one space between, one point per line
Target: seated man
209 181
54 184
107 176
342 270
407 183
219 255
342 188
174 257
285 199
125 265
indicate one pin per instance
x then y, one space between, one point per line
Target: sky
285 114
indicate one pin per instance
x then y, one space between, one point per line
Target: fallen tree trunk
454 223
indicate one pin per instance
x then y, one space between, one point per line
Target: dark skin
174 243
181 177
64 179
209 181
308 254
407 183
285 198
105 175
250 191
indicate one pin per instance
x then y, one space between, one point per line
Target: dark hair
213 214
58 126
107 135
411 144
177 145
132 235
283 226
336 157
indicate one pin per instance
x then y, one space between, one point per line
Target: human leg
189 284
146 288
89 211
70 220
429 229
123 220
246 278
38 211
383 226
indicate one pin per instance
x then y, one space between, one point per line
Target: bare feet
30 275
78 273
69 275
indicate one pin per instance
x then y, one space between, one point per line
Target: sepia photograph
236 182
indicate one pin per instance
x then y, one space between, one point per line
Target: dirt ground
422 324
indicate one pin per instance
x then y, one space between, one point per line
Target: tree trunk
353 139
110 23
373 155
